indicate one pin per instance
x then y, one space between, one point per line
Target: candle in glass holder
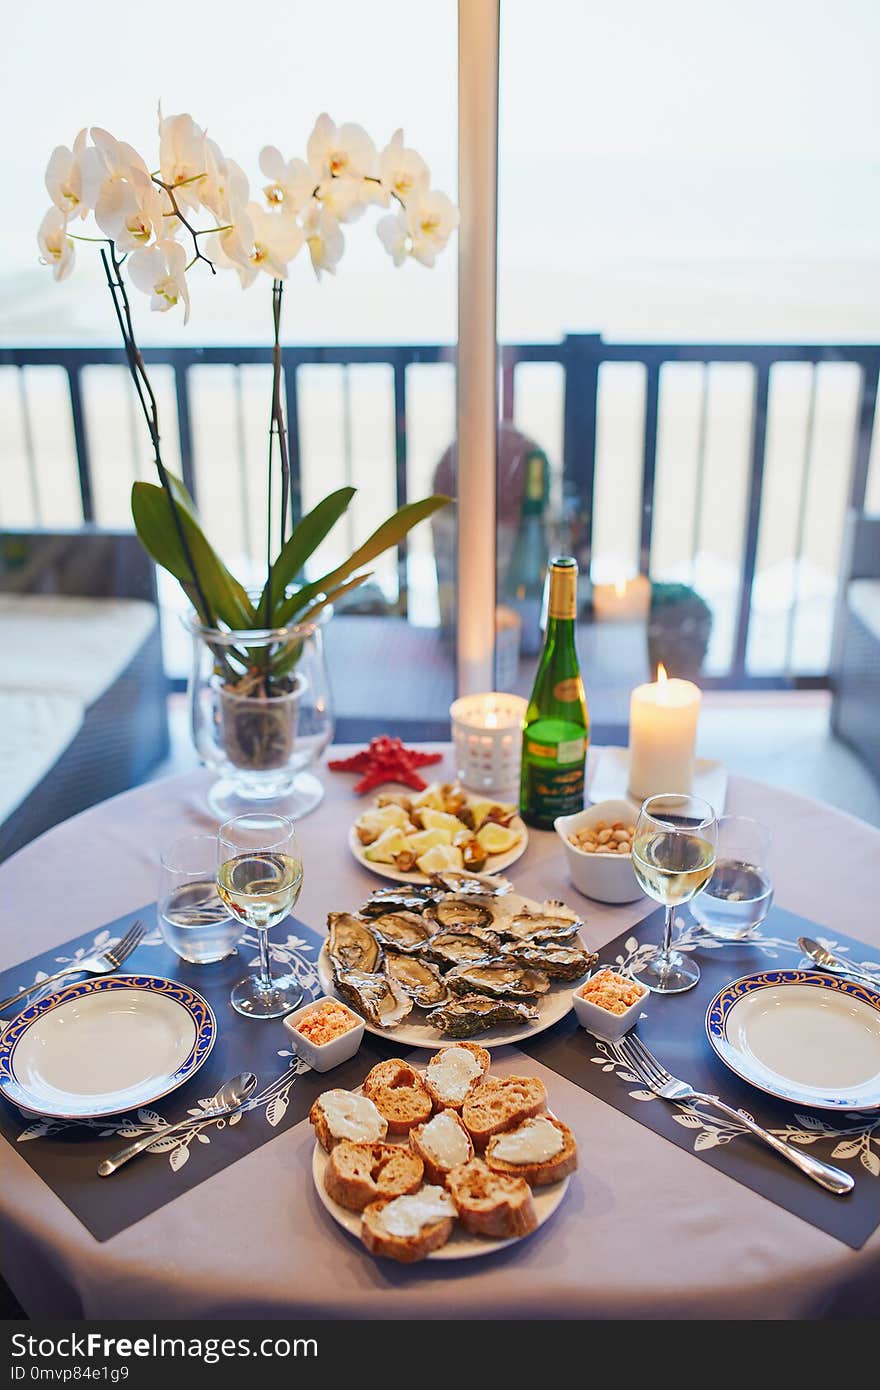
662 736
487 734
625 601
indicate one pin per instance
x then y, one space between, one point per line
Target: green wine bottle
556 731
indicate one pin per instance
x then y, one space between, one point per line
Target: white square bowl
324 1056
607 877
601 1022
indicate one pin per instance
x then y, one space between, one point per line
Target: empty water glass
193 919
738 896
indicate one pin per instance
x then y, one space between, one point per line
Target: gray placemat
672 1026
66 1154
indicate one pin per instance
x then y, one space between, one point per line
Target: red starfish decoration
386 760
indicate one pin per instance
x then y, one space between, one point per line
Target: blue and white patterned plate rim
720 1008
190 1000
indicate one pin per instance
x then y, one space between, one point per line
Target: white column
477 377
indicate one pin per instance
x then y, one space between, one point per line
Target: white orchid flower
343 198
431 219
132 212
160 271
183 157
324 239
272 242
344 151
225 189
403 172
231 247
106 161
291 181
56 247
64 178
394 236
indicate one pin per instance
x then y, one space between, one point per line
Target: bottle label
567 691
571 750
552 792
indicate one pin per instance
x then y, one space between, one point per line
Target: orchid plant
194 213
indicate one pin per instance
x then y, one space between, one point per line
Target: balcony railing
582 363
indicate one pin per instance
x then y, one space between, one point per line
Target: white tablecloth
647 1230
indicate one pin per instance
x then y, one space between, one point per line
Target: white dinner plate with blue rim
103 1046
802 1036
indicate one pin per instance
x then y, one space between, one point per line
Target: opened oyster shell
503 979
553 922
461 948
401 899
382 1001
475 885
560 962
473 1012
420 979
351 945
461 913
402 931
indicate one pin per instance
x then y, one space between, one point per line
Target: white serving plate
461 1245
103 1046
802 1036
415 1031
495 864
610 779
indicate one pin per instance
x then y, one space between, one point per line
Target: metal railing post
753 519
581 354
81 441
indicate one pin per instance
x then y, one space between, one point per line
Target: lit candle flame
662 677
620 588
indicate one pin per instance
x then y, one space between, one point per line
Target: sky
685 169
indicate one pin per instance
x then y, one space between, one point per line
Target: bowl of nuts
598 851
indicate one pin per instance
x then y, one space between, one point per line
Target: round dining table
646 1230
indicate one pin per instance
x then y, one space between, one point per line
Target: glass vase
261 715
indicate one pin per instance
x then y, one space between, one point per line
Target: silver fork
668 1087
103 963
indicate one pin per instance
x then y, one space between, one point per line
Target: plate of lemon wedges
406 837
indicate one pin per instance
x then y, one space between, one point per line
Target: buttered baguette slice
491 1204
409 1228
541 1150
442 1144
501 1102
453 1072
338 1115
358 1174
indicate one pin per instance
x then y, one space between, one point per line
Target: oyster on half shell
382 1001
402 898
402 931
461 913
502 978
561 961
420 979
461 947
351 945
475 885
473 1012
558 924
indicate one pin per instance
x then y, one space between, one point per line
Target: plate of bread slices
405 838
442 1162
459 956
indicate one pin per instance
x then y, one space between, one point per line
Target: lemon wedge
497 839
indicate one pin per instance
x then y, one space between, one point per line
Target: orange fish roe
325 1022
611 991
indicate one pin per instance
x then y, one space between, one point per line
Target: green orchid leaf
389 534
304 540
154 523
286 660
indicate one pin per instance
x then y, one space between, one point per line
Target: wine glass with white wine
673 859
259 878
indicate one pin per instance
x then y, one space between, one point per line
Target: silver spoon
827 960
231 1097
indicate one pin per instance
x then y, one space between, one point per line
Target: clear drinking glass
673 858
738 896
193 919
259 877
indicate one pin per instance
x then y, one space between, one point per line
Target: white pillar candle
487 733
662 736
626 601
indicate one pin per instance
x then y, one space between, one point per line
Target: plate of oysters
460 956
406 838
